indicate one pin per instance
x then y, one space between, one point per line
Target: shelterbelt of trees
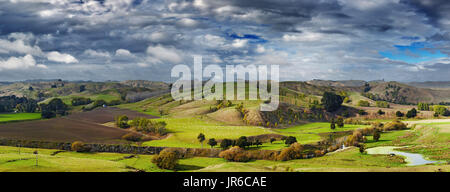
19 104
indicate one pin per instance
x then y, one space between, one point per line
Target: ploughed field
85 126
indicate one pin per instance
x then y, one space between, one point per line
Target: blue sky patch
415 53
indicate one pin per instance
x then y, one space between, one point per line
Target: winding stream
412 159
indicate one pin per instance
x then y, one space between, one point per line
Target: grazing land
13 117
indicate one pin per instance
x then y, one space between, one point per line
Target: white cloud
165 54
19 46
94 53
24 62
305 37
260 49
239 43
61 57
123 53
186 22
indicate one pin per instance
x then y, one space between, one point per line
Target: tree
122 122
166 159
411 113
225 143
272 140
441 110
331 101
212 142
332 124
380 112
258 143
55 107
290 140
399 114
242 142
361 112
362 148
376 134
340 122
201 138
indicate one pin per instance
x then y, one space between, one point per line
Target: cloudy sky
143 39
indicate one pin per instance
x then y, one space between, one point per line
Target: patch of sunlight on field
184 132
5 117
319 128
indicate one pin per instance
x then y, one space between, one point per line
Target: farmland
13 117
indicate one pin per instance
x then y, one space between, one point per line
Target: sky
394 40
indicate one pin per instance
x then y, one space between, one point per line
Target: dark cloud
334 39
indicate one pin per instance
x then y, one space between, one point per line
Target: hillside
44 89
401 93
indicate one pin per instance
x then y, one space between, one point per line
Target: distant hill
43 89
344 83
401 93
431 84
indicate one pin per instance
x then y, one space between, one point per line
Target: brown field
85 126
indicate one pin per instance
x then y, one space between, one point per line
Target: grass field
345 161
8 117
184 132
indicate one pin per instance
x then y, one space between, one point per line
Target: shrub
78 146
114 102
361 112
235 153
80 101
166 159
411 113
362 148
394 125
441 110
122 121
340 122
290 140
363 103
382 104
376 134
134 137
380 112
292 152
399 114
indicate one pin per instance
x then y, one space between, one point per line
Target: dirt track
77 127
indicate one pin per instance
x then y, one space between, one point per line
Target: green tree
272 140
399 114
201 138
340 122
242 142
332 124
380 112
411 113
376 134
122 121
290 140
225 143
212 142
331 101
